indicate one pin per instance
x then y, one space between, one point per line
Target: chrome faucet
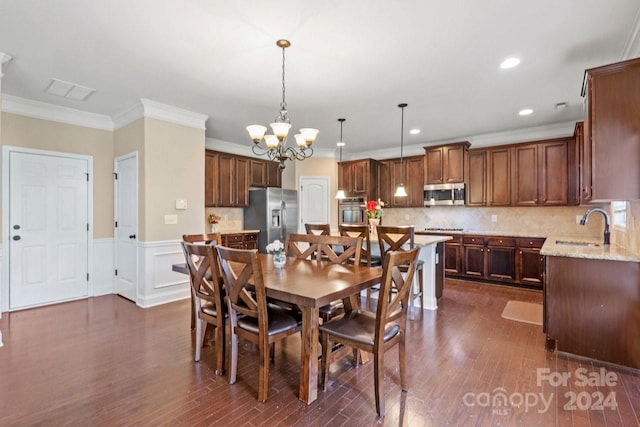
585 218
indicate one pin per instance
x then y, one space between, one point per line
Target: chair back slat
321 229
397 275
358 230
394 238
322 247
242 276
204 274
209 238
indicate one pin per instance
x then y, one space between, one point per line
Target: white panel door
314 201
126 231
48 217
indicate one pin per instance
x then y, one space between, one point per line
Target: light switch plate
171 219
181 203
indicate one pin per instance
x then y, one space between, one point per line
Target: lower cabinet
506 260
240 240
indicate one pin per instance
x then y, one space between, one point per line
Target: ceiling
356 59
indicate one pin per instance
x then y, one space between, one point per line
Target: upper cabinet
444 164
229 176
542 173
489 177
410 173
264 173
359 178
611 133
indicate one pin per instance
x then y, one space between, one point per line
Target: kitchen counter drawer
501 241
530 243
473 240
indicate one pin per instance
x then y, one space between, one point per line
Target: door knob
132 236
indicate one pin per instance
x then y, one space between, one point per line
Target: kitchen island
592 300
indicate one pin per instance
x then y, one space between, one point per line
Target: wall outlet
578 219
225 217
494 218
171 219
181 204
406 217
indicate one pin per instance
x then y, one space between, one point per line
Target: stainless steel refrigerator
274 212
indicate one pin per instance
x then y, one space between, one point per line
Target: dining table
311 284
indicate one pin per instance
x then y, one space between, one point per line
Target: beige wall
173 169
28 132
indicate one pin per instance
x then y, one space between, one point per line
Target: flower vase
214 228
279 259
373 223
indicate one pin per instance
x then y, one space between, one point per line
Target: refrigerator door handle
283 210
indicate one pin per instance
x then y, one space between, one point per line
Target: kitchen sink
576 243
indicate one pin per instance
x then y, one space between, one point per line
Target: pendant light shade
340 194
400 191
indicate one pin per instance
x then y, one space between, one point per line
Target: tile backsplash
530 221
232 219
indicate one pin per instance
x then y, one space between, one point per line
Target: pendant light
400 191
340 194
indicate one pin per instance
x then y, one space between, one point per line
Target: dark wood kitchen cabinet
489 177
473 256
445 164
226 180
264 173
240 240
359 178
611 132
529 262
500 258
541 173
411 174
453 256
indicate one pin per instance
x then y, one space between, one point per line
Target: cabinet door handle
481 250
488 250
520 252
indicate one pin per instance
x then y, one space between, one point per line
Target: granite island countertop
595 250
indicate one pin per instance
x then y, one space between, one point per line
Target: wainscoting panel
157 283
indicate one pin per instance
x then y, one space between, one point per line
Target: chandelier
275 146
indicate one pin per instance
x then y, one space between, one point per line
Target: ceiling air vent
69 90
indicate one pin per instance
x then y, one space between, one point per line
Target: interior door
314 201
49 228
126 227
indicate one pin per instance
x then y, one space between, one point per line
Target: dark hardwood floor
104 361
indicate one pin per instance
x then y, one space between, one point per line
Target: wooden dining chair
208 297
322 229
248 314
376 333
321 247
399 238
361 230
210 238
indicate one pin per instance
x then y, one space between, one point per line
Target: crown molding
55 113
555 130
157 110
4 58
632 46
245 149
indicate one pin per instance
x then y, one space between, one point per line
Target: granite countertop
604 252
480 233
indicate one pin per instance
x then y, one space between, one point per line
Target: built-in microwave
444 194
352 211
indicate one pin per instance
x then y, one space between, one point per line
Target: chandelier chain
283 105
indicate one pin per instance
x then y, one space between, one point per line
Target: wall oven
352 211
444 194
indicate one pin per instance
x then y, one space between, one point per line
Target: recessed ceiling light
525 112
509 63
414 131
